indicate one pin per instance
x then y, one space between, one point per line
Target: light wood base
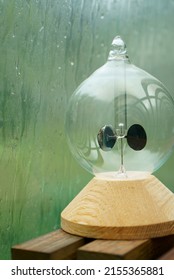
121 209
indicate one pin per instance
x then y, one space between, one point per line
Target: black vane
136 137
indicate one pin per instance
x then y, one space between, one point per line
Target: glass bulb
119 121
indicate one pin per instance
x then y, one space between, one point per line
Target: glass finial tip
118 49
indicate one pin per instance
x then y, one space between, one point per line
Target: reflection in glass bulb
114 119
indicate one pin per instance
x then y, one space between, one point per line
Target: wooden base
121 209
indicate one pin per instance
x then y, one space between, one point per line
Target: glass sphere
119 121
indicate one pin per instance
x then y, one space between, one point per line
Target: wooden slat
53 246
61 245
128 250
168 255
111 250
162 245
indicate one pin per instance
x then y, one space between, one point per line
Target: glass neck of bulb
115 56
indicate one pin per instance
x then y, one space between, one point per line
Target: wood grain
57 245
121 209
126 250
